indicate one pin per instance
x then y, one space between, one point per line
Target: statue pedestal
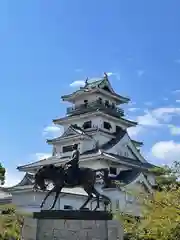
75 225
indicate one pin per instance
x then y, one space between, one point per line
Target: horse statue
85 178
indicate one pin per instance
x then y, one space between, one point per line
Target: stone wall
71 229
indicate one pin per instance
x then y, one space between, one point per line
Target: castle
97 123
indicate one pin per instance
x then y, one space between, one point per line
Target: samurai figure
74 165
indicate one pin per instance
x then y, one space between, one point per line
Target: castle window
107 103
113 105
68 207
118 129
99 100
87 125
85 103
107 125
67 148
113 171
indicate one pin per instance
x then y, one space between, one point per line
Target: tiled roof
127 122
27 180
138 163
80 131
94 83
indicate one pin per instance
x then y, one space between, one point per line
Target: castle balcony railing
93 106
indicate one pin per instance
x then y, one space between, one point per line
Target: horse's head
48 172
44 173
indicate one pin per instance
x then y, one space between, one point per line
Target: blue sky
46 45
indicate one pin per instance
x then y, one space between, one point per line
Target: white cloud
135 131
109 74
166 151
166 113
52 131
78 83
133 109
140 72
116 74
174 130
148 120
158 116
176 91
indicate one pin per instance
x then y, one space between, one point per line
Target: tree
161 212
11 223
2 174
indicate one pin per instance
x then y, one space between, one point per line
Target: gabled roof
78 131
136 163
94 85
27 180
73 130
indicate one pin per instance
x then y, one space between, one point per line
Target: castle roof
120 120
96 85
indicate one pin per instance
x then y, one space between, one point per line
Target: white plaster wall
90 144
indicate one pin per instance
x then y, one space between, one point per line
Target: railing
88 107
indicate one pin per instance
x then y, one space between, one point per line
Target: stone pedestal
67 229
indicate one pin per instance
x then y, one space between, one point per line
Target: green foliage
2 174
10 223
161 216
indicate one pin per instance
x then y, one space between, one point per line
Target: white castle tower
94 119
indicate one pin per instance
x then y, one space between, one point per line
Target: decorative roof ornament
86 81
105 75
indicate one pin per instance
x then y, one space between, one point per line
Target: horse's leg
97 194
58 191
47 195
89 192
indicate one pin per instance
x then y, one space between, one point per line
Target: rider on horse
74 164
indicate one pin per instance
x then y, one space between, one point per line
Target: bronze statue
85 178
73 168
